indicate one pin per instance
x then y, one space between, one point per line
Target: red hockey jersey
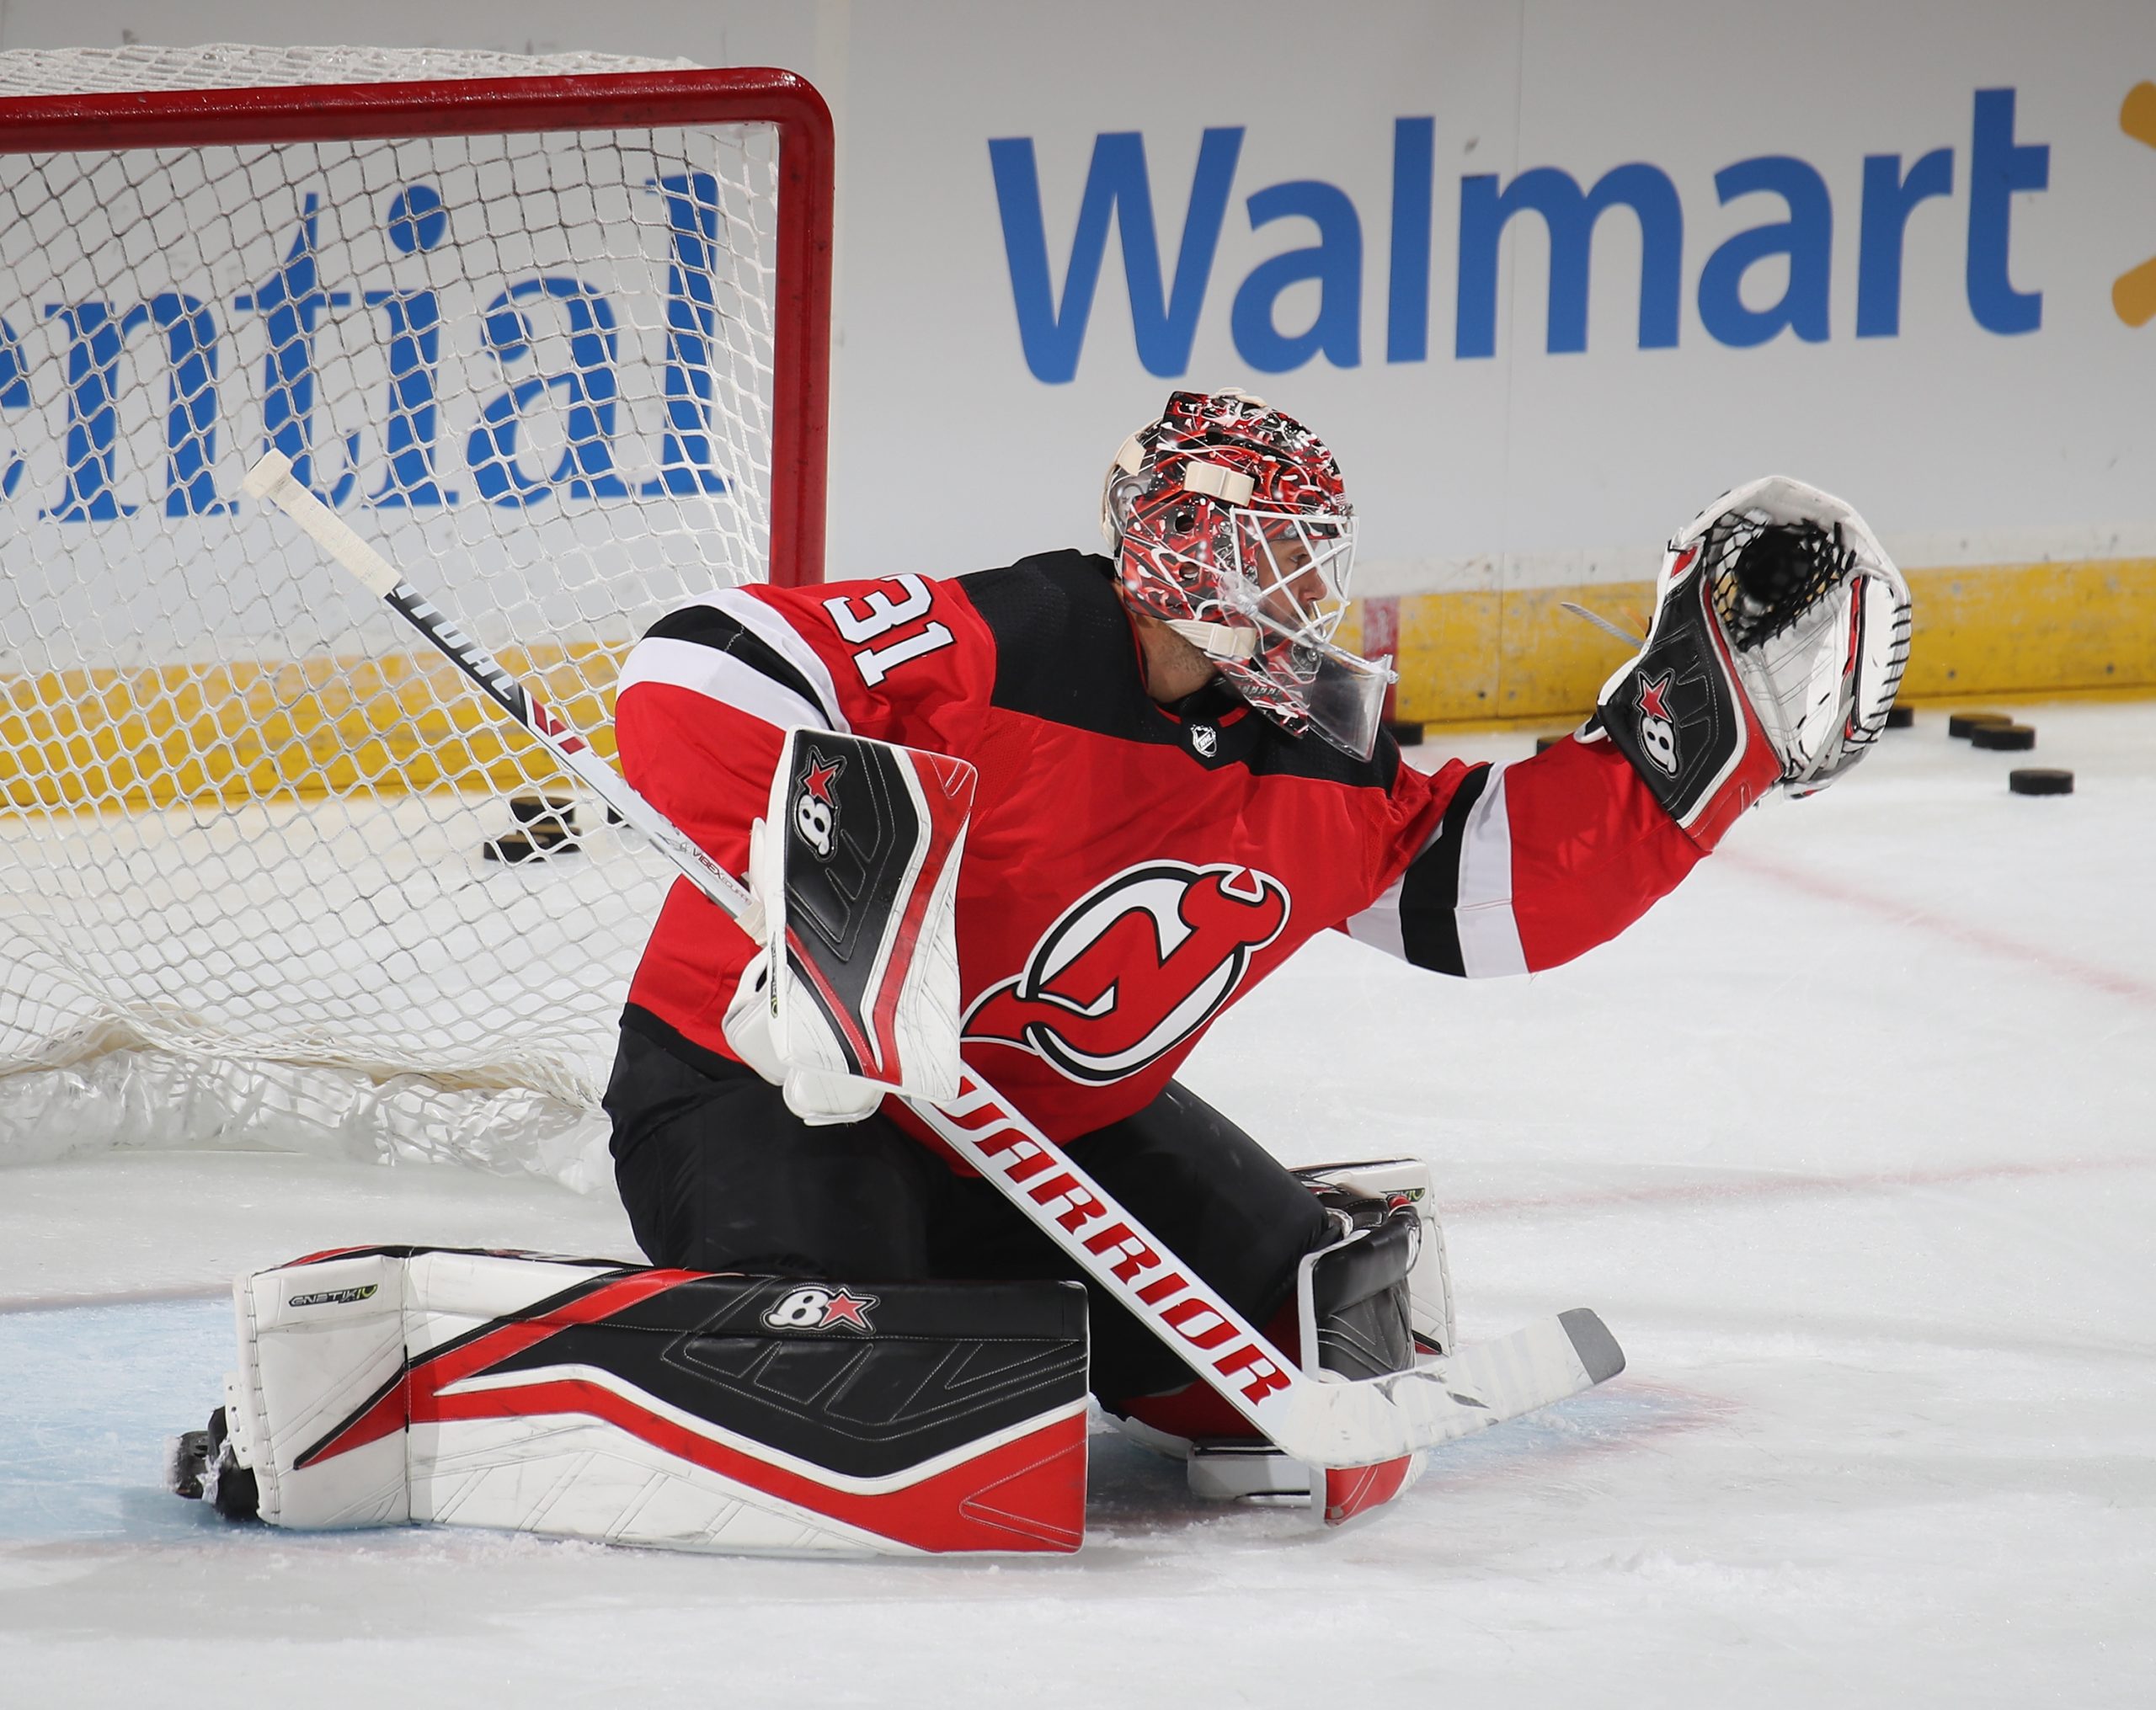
1132 868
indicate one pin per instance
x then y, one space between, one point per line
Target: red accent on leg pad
1352 1490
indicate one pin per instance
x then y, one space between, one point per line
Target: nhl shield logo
1134 968
1205 739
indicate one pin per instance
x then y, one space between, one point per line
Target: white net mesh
244 815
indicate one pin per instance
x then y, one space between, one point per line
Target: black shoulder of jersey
1064 653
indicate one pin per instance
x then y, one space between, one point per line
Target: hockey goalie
1022 835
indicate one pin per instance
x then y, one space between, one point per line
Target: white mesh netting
243 814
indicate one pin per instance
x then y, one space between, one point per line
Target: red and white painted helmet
1230 523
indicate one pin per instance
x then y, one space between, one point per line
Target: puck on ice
1407 735
1901 717
554 814
522 846
1549 742
2039 781
2012 737
1962 723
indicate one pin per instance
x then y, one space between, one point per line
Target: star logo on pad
846 1308
1651 702
817 779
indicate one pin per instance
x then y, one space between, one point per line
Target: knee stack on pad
1353 1298
1363 1193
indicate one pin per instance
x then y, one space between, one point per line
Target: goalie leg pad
1367 1191
590 1399
1354 1299
1357 1314
1353 1320
1369 1301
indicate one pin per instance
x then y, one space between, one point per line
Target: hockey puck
1408 736
554 813
1962 723
513 846
1901 717
2010 737
2039 781
1541 742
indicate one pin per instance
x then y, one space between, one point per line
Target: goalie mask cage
552 332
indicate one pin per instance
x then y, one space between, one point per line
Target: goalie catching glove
1781 631
854 872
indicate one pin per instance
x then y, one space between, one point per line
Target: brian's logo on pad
816 800
817 1308
1657 729
1131 971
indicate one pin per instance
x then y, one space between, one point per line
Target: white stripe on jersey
753 616
1482 912
1489 936
719 676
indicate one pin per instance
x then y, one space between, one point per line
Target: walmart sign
1166 299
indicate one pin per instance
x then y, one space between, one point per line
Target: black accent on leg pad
863 1380
1360 1296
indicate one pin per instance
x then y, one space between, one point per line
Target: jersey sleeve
1513 869
704 701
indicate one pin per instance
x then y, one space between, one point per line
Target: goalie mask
1230 524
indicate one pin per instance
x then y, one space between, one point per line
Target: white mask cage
1280 590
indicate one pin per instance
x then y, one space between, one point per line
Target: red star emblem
844 1308
817 779
1651 701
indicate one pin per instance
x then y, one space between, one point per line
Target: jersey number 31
864 617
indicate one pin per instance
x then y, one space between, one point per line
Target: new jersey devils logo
1134 968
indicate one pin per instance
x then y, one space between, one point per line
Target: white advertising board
1548 276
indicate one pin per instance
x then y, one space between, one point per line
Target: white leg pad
315 1342
565 1397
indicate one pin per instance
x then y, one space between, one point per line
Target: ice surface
1852 1141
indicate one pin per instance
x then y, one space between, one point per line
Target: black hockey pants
717 1174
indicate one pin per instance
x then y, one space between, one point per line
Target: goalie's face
1295 568
1284 589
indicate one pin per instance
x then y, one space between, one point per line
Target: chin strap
1216 641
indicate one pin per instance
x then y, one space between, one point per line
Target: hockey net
552 333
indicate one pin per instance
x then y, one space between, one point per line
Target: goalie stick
1325 1423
